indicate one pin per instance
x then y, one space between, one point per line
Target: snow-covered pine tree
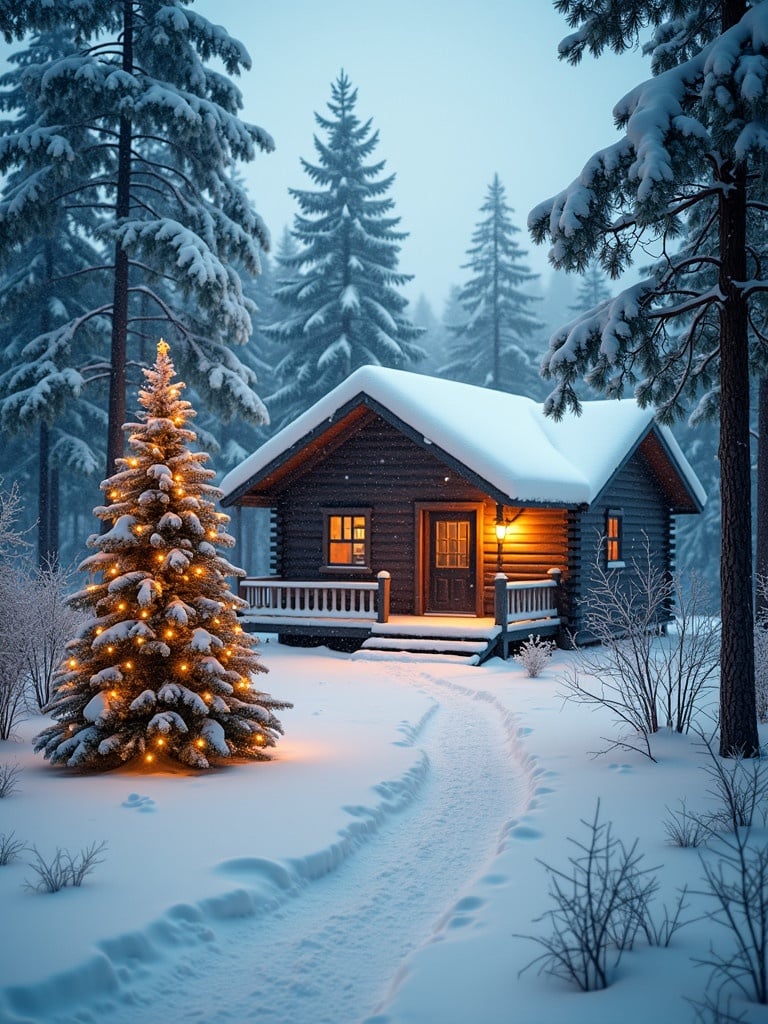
138 127
693 150
593 289
342 289
162 668
492 345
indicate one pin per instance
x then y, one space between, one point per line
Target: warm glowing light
121 606
161 742
99 630
145 614
198 572
91 586
168 634
177 476
139 640
133 462
200 743
184 666
110 649
259 737
113 694
129 664
243 684
149 758
113 571
217 621
139 528
212 533
72 663
159 558
207 696
114 494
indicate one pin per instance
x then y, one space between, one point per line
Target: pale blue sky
458 89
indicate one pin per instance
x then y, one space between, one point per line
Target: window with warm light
347 538
613 537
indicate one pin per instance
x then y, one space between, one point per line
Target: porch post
556 574
500 610
385 583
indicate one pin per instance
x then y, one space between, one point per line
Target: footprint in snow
136 802
621 769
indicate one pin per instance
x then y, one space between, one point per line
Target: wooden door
451 562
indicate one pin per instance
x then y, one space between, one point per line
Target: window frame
353 511
614 539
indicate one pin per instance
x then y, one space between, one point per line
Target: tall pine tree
492 346
137 127
345 309
161 668
693 149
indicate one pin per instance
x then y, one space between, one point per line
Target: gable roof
503 441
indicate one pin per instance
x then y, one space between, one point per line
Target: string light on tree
162 630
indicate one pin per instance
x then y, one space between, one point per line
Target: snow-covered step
437 645
469 651
369 654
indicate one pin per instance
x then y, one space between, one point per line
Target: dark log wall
381 469
646 516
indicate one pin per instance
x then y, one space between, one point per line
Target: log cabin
410 513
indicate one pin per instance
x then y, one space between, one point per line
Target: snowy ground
383 868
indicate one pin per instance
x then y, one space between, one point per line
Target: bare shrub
14 593
84 863
51 622
740 787
534 654
51 875
761 654
63 868
601 901
654 649
10 772
10 847
736 878
686 828
11 538
712 1010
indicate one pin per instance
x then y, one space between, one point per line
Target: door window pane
452 544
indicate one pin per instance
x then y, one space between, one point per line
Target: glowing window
347 538
613 538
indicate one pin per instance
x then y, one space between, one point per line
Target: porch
359 614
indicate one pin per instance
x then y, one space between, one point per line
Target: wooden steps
429 643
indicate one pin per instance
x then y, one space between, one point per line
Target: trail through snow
332 951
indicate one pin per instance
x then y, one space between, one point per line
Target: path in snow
331 953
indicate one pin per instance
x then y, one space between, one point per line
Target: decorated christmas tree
162 668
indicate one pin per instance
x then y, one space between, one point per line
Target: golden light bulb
207 696
259 737
113 694
200 743
110 649
72 663
168 634
139 640
198 572
113 571
145 614
184 666
149 758
161 743
159 558
129 664
99 630
121 606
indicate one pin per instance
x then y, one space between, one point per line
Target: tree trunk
117 377
738 717
761 553
43 496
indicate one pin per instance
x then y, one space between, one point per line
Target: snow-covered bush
534 654
656 649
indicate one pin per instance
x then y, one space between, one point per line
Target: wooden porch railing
316 599
524 602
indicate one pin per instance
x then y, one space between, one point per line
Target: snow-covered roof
504 439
